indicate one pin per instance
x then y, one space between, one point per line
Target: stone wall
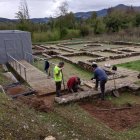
38 47
67 50
85 65
125 55
82 53
61 45
124 43
112 51
51 52
100 59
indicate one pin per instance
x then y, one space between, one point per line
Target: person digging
99 76
73 84
58 77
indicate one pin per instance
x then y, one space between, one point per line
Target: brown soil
116 119
43 104
38 103
19 89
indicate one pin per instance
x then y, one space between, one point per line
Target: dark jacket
100 74
47 65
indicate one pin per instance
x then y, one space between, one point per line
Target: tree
23 13
137 20
63 8
94 16
99 26
84 30
23 16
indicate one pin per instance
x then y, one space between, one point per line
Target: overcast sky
46 8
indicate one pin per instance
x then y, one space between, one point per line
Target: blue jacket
100 74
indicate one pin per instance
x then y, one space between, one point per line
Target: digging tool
63 79
115 91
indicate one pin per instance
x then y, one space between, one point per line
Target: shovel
63 80
115 91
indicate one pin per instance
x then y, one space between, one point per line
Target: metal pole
16 65
20 68
25 74
63 80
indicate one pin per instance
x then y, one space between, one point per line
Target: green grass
46 36
17 121
72 70
68 71
3 79
137 82
134 65
125 98
72 122
39 64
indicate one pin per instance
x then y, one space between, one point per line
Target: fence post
20 68
25 74
16 65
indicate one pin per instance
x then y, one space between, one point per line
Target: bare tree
23 13
63 8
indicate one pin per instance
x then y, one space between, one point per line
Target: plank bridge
37 79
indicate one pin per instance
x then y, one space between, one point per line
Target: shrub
46 36
72 34
84 30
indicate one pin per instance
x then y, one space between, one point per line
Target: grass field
134 65
69 69
125 98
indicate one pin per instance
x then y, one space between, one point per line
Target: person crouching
73 84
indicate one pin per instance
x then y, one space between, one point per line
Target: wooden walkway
36 78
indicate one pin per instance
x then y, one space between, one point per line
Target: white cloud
45 8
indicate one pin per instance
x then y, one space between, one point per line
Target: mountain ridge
82 15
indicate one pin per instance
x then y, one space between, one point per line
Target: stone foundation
82 53
124 43
92 93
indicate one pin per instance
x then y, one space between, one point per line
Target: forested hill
82 15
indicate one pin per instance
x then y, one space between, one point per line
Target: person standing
138 76
73 84
58 77
46 68
99 76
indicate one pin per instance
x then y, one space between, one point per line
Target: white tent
16 44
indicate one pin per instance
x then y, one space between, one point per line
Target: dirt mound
34 102
117 119
40 103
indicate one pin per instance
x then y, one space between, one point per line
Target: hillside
18 122
103 12
83 15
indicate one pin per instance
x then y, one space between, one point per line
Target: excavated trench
119 116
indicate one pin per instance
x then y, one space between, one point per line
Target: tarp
16 44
